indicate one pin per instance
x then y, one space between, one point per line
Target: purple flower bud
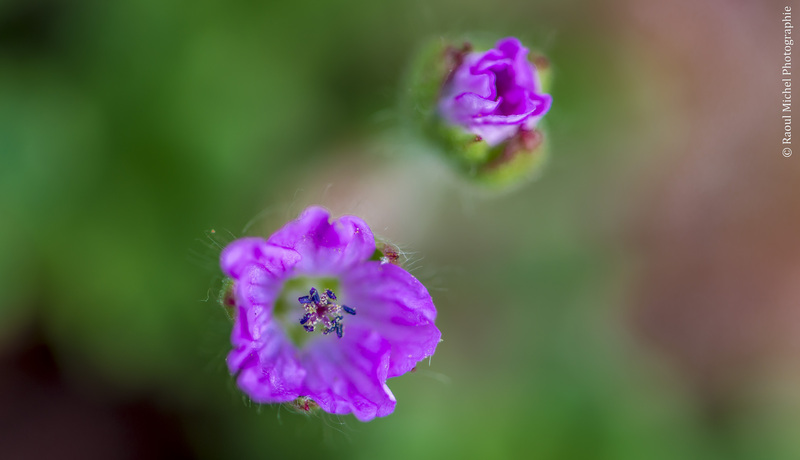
494 94
481 109
277 360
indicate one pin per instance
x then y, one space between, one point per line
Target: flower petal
240 254
269 368
350 375
469 105
498 119
510 47
390 301
541 104
467 80
494 134
256 291
326 248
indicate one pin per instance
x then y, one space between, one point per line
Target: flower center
322 312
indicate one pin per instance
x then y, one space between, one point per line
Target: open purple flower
494 94
317 320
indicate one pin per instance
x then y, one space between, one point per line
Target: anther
322 310
314 295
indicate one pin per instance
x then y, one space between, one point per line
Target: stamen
321 310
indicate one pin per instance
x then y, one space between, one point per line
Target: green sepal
227 299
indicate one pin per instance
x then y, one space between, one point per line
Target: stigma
322 312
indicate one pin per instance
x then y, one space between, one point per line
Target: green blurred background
638 301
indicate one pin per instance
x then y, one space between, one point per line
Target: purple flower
318 320
494 94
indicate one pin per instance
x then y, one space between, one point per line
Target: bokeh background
640 300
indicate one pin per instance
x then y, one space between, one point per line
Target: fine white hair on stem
438 376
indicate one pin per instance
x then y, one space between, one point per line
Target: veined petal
349 376
465 80
470 105
256 291
244 252
269 369
400 309
326 247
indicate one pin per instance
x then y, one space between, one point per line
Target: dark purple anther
327 312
